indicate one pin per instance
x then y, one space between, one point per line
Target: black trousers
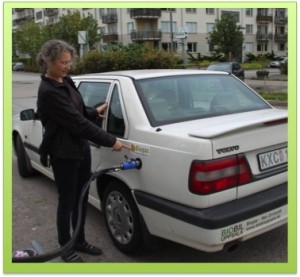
70 177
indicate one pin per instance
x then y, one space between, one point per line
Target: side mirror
28 115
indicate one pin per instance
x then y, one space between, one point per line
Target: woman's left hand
101 109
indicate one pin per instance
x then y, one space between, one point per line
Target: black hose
59 251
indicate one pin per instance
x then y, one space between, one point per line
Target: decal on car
258 222
140 149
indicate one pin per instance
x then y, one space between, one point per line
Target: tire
24 165
122 218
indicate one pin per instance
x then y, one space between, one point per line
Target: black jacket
65 127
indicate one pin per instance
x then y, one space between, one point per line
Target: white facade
265 30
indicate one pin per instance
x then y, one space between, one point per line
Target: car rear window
175 99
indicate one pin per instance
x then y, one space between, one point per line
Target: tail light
208 177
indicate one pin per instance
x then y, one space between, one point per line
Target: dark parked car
18 66
230 67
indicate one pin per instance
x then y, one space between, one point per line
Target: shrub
119 57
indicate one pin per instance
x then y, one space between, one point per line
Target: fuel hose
128 164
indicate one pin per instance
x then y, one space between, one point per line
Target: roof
148 73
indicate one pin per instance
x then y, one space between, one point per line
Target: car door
94 94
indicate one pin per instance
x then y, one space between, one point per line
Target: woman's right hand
119 145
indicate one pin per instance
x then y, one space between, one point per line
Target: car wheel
24 165
122 218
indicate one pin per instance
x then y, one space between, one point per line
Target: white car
277 62
213 152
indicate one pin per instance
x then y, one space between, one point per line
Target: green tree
28 39
227 36
68 26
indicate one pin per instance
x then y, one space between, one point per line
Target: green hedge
126 58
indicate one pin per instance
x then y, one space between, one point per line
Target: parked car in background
284 61
213 152
276 62
18 66
230 67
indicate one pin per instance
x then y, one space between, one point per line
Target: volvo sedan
213 153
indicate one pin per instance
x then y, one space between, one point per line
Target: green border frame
9 267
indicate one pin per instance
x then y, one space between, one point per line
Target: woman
67 131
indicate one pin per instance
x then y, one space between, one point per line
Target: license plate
273 158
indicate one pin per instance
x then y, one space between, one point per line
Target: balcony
262 36
110 38
24 15
280 20
145 35
264 18
280 38
109 18
145 13
51 12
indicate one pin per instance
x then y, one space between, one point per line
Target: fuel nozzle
130 164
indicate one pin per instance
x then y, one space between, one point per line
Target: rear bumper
219 216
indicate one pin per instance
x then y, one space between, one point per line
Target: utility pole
171 29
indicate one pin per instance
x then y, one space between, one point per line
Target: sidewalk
275 82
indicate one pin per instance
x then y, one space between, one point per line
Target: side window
115 119
94 93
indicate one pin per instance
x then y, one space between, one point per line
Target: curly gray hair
51 50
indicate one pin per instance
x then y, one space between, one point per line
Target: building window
192 47
130 27
111 11
210 11
209 27
249 47
190 10
101 13
167 46
39 15
167 10
112 28
262 47
102 30
281 47
280 12
262 11
249 12
191 27
249 29
166 26
262 29
235 15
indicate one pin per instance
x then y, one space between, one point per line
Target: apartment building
265 30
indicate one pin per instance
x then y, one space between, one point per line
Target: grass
279 96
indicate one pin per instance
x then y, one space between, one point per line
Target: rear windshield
175 99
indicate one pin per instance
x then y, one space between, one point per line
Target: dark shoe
72 257
87 248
